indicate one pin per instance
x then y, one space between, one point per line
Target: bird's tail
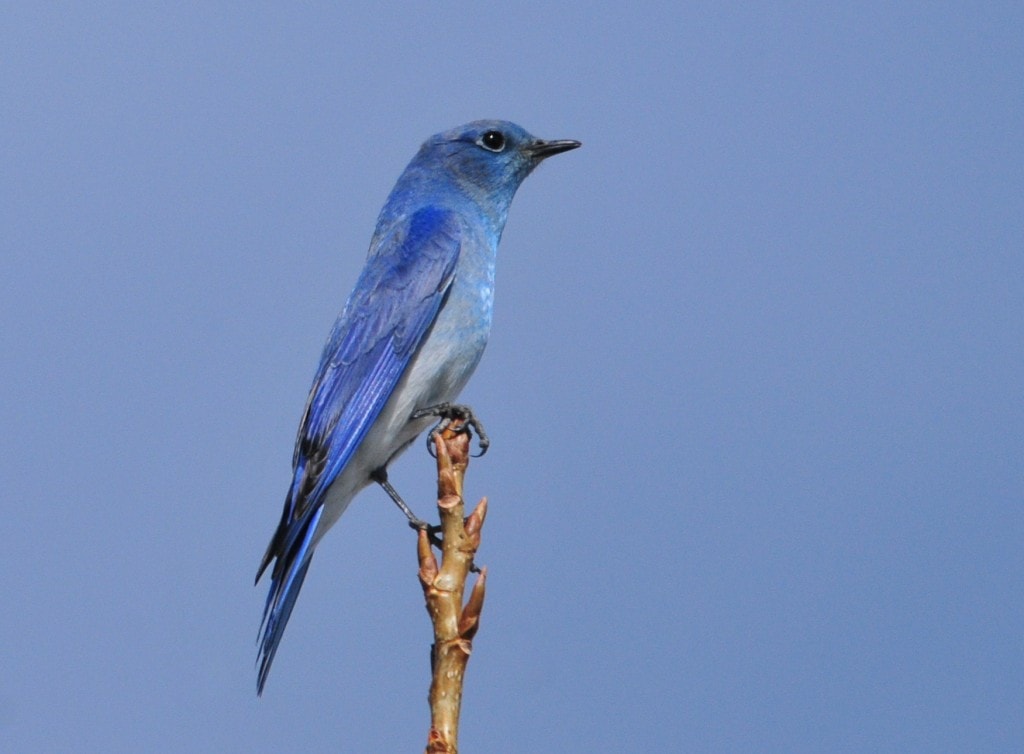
292 562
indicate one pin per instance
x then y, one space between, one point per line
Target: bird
406 342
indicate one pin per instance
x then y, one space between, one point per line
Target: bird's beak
540 149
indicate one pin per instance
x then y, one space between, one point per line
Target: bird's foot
447 413
380 476
433 531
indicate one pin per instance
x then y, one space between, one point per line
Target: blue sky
754 383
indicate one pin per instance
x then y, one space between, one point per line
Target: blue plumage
412 332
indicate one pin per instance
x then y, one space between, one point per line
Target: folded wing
392 307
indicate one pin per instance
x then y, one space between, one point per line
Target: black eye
492 140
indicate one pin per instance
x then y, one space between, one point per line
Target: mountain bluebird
405 344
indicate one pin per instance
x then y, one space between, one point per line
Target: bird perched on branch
407 341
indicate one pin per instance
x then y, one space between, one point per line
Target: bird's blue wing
384 322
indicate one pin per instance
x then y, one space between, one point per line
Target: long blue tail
286 581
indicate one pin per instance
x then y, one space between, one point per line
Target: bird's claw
432 531
447 413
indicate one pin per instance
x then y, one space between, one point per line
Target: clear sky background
754 384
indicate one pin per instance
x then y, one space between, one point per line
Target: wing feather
391 309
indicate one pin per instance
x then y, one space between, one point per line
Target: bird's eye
493 141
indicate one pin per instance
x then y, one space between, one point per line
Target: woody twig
454 624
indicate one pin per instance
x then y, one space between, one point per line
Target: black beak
541 149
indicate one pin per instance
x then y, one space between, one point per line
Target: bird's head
490 158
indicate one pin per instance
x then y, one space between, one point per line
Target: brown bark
454 624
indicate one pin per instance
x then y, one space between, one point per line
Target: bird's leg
380 476
447 412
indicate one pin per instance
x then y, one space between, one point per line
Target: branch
443 588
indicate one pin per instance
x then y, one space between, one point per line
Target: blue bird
407 341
